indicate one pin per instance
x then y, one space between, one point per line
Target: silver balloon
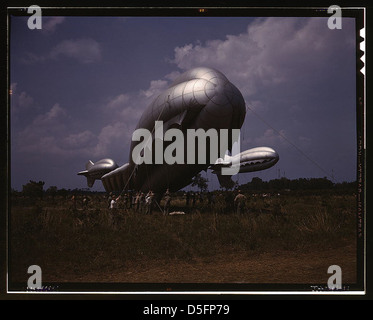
201 98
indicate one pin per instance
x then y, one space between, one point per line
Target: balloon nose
225 108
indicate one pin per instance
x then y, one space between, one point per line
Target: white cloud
113 137
125 107
24 100
118 102
19 101
173 75
39 136
269 138
273 51
52 117
31 58
279 65
50 133
49 24
128 107
123 113
83 50
156 87
79 140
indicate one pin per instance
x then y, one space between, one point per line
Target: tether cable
291 143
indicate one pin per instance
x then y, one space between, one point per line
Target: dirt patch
267 267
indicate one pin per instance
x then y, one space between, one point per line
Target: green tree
256 183
51 191
200 182
33 189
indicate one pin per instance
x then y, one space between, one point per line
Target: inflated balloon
202 106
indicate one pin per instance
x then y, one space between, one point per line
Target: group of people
144 203
140 202
192 197
129 200
227 202
83 203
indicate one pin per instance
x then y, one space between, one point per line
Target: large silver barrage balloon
201 98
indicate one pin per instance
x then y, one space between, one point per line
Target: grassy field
275 236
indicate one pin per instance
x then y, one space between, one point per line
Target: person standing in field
114 214
130 199
137 201
167 202
193 196
125 201
73 201
149 202
240 202
86 200
110 197
142 202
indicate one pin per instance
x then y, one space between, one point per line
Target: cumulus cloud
24 100
268 138
79 140
52 117
281 66
38 136
31 58
172 75
128 107
156 87
118 102
51 133
19 101
125 110
272 51
113 137
50 24
84 50
275 53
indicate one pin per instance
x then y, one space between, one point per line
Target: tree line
258 184
35 189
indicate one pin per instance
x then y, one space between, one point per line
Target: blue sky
80 84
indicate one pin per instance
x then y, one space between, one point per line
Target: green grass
63 240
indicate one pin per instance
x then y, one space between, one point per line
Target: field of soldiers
184 237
